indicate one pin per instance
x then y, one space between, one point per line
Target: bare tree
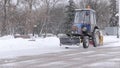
47 6
4 31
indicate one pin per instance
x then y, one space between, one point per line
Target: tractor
84 30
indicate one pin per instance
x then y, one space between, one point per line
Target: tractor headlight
84 29
74 32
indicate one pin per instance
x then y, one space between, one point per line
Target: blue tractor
84 29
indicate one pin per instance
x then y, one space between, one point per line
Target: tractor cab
84 22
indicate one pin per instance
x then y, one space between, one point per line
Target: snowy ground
13 47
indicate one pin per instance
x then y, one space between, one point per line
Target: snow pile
6 37
9 43
111 41
12 47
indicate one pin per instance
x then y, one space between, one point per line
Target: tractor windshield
82 16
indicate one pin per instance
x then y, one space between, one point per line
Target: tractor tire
96 38
85 42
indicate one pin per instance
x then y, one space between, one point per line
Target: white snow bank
8 44
6 37
111 41
12 47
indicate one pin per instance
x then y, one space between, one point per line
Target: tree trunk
4 30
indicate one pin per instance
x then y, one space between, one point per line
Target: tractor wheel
96 38
85 42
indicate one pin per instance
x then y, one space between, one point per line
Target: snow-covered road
100 57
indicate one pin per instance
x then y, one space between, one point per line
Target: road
100 57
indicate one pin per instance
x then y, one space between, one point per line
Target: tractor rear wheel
96 38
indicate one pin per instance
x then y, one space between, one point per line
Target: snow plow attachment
69 41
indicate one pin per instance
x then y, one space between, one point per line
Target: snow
11 47
54 63
104 64
19 43
88 52
97 55
115 59
111 41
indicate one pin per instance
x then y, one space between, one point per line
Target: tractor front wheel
85 42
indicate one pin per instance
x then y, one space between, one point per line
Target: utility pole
117 15
118 24
119 19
